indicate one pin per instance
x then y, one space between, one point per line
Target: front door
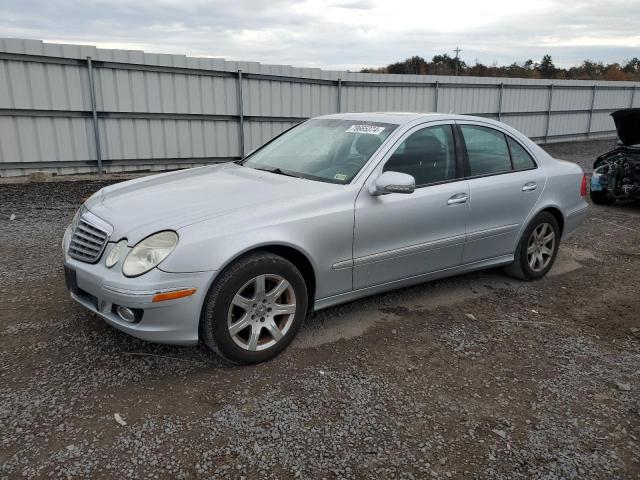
399 235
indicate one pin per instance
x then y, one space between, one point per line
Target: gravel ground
478 376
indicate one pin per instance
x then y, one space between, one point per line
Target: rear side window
487 150
521 158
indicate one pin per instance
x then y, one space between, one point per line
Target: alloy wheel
541 247
261 312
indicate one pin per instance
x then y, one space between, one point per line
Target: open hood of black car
628 125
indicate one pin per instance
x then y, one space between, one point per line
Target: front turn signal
161 297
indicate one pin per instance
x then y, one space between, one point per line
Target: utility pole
457 50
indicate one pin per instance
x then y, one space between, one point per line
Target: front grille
87 242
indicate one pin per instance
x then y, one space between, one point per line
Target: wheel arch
295 255
301 262
549 208
557 214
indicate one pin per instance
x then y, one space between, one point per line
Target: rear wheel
601 197
537 249
255 308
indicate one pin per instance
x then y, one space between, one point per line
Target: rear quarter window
521 158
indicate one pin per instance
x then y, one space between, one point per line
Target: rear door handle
458 198
529 187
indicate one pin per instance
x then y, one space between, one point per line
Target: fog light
126 314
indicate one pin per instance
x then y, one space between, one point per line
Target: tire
601 198
239 319
521 268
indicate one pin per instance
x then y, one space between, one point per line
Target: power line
457 50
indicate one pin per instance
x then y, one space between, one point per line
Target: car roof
410 119
401 118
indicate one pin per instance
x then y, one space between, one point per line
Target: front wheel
254 309
537 249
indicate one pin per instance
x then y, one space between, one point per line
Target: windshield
329 150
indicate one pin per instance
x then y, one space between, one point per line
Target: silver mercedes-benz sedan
337 208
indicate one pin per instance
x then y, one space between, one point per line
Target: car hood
628 125
170 201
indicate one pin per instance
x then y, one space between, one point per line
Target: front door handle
458 198
529 187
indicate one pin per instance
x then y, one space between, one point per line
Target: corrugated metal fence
69 108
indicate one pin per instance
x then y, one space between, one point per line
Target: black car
616 174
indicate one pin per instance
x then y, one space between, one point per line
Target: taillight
583 186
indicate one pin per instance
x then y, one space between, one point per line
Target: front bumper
176 321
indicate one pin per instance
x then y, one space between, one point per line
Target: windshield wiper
278 171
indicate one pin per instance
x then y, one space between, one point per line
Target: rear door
504 186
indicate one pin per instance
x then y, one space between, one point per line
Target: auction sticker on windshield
371 129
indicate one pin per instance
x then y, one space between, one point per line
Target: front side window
329 150
428 155
486 149
521 158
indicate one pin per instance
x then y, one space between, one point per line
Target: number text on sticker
371 129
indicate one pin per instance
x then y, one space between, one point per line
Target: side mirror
393 182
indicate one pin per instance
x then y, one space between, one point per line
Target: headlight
149 253
115 253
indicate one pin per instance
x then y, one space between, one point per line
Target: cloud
338 33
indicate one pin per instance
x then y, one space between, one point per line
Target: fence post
633 96
593 102
94 113
339 95
500 102
546 134
240 114
435 101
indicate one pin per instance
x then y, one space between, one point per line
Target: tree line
447 65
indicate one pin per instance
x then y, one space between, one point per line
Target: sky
339 34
